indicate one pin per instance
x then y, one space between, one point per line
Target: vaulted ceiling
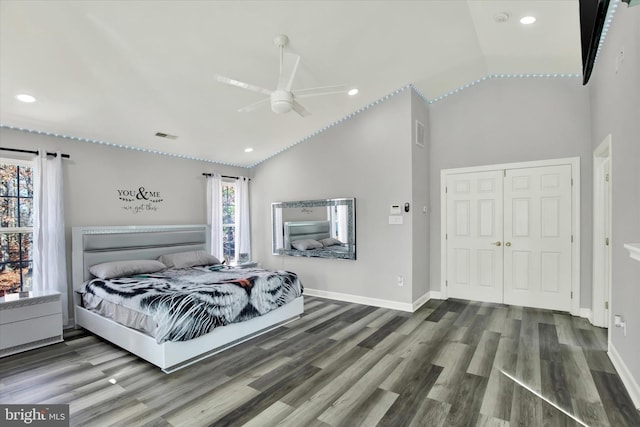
121 71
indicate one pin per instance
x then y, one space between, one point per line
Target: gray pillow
330 241
188 259
115 269
306 244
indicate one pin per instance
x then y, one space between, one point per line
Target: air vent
166 135
501 17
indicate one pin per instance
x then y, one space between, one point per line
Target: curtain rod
224 176
17 150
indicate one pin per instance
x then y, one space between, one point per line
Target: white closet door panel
474 225
537 235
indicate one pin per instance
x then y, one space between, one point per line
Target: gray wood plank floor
451 363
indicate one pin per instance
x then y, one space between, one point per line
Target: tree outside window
16 225
228 220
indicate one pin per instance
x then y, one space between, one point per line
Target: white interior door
508 236
474 236
537 237
601 233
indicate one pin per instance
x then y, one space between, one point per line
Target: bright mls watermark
34 415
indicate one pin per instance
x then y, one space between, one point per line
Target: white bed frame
93 245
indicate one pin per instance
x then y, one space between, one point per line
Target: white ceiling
120 71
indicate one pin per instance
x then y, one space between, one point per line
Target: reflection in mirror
315 228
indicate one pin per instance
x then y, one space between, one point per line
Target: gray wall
615 104
420 196
367 157
512 120
94 174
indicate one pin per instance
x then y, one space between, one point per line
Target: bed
167 349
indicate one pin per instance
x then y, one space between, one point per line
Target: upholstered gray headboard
297 230
94 245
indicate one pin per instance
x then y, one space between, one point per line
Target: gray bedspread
190 302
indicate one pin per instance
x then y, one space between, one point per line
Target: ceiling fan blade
318 91
254 106
298 108
241 85
288 72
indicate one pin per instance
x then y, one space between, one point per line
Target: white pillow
306 244
330 241
188 259
115 269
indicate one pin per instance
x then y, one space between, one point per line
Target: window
16 225
229 220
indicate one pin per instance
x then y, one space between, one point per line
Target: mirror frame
349 254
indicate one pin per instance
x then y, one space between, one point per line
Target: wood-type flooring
451 363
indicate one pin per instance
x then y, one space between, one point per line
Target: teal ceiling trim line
337 122
501 76
126 147
611 11
419 93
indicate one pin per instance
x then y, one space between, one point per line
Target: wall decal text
140 200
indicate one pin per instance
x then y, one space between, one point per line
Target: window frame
20 230
229 183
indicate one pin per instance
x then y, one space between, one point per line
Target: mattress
182 304
126 316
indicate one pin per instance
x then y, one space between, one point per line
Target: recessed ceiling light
352 92
26 98
528 20
248 150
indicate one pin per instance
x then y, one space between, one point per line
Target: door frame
601 294
574 162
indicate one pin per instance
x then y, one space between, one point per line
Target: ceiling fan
283 99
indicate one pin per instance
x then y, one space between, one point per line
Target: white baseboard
625 375
375 302
586 313
424 298
421 301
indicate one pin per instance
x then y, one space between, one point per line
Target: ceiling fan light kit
283 99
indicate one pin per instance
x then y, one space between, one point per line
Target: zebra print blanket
187 303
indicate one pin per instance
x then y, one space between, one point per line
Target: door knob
498 243
507 243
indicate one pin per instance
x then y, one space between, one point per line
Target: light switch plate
395 210
395 219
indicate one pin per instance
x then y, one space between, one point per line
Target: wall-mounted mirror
315 228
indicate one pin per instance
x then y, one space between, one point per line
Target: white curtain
49 253
243 226
214 214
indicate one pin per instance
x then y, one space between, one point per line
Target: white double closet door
508 236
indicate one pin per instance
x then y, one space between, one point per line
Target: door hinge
572 238
606 241
606 177
571 294
572 182
446 189
606 305
504 172
446 236
446 283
